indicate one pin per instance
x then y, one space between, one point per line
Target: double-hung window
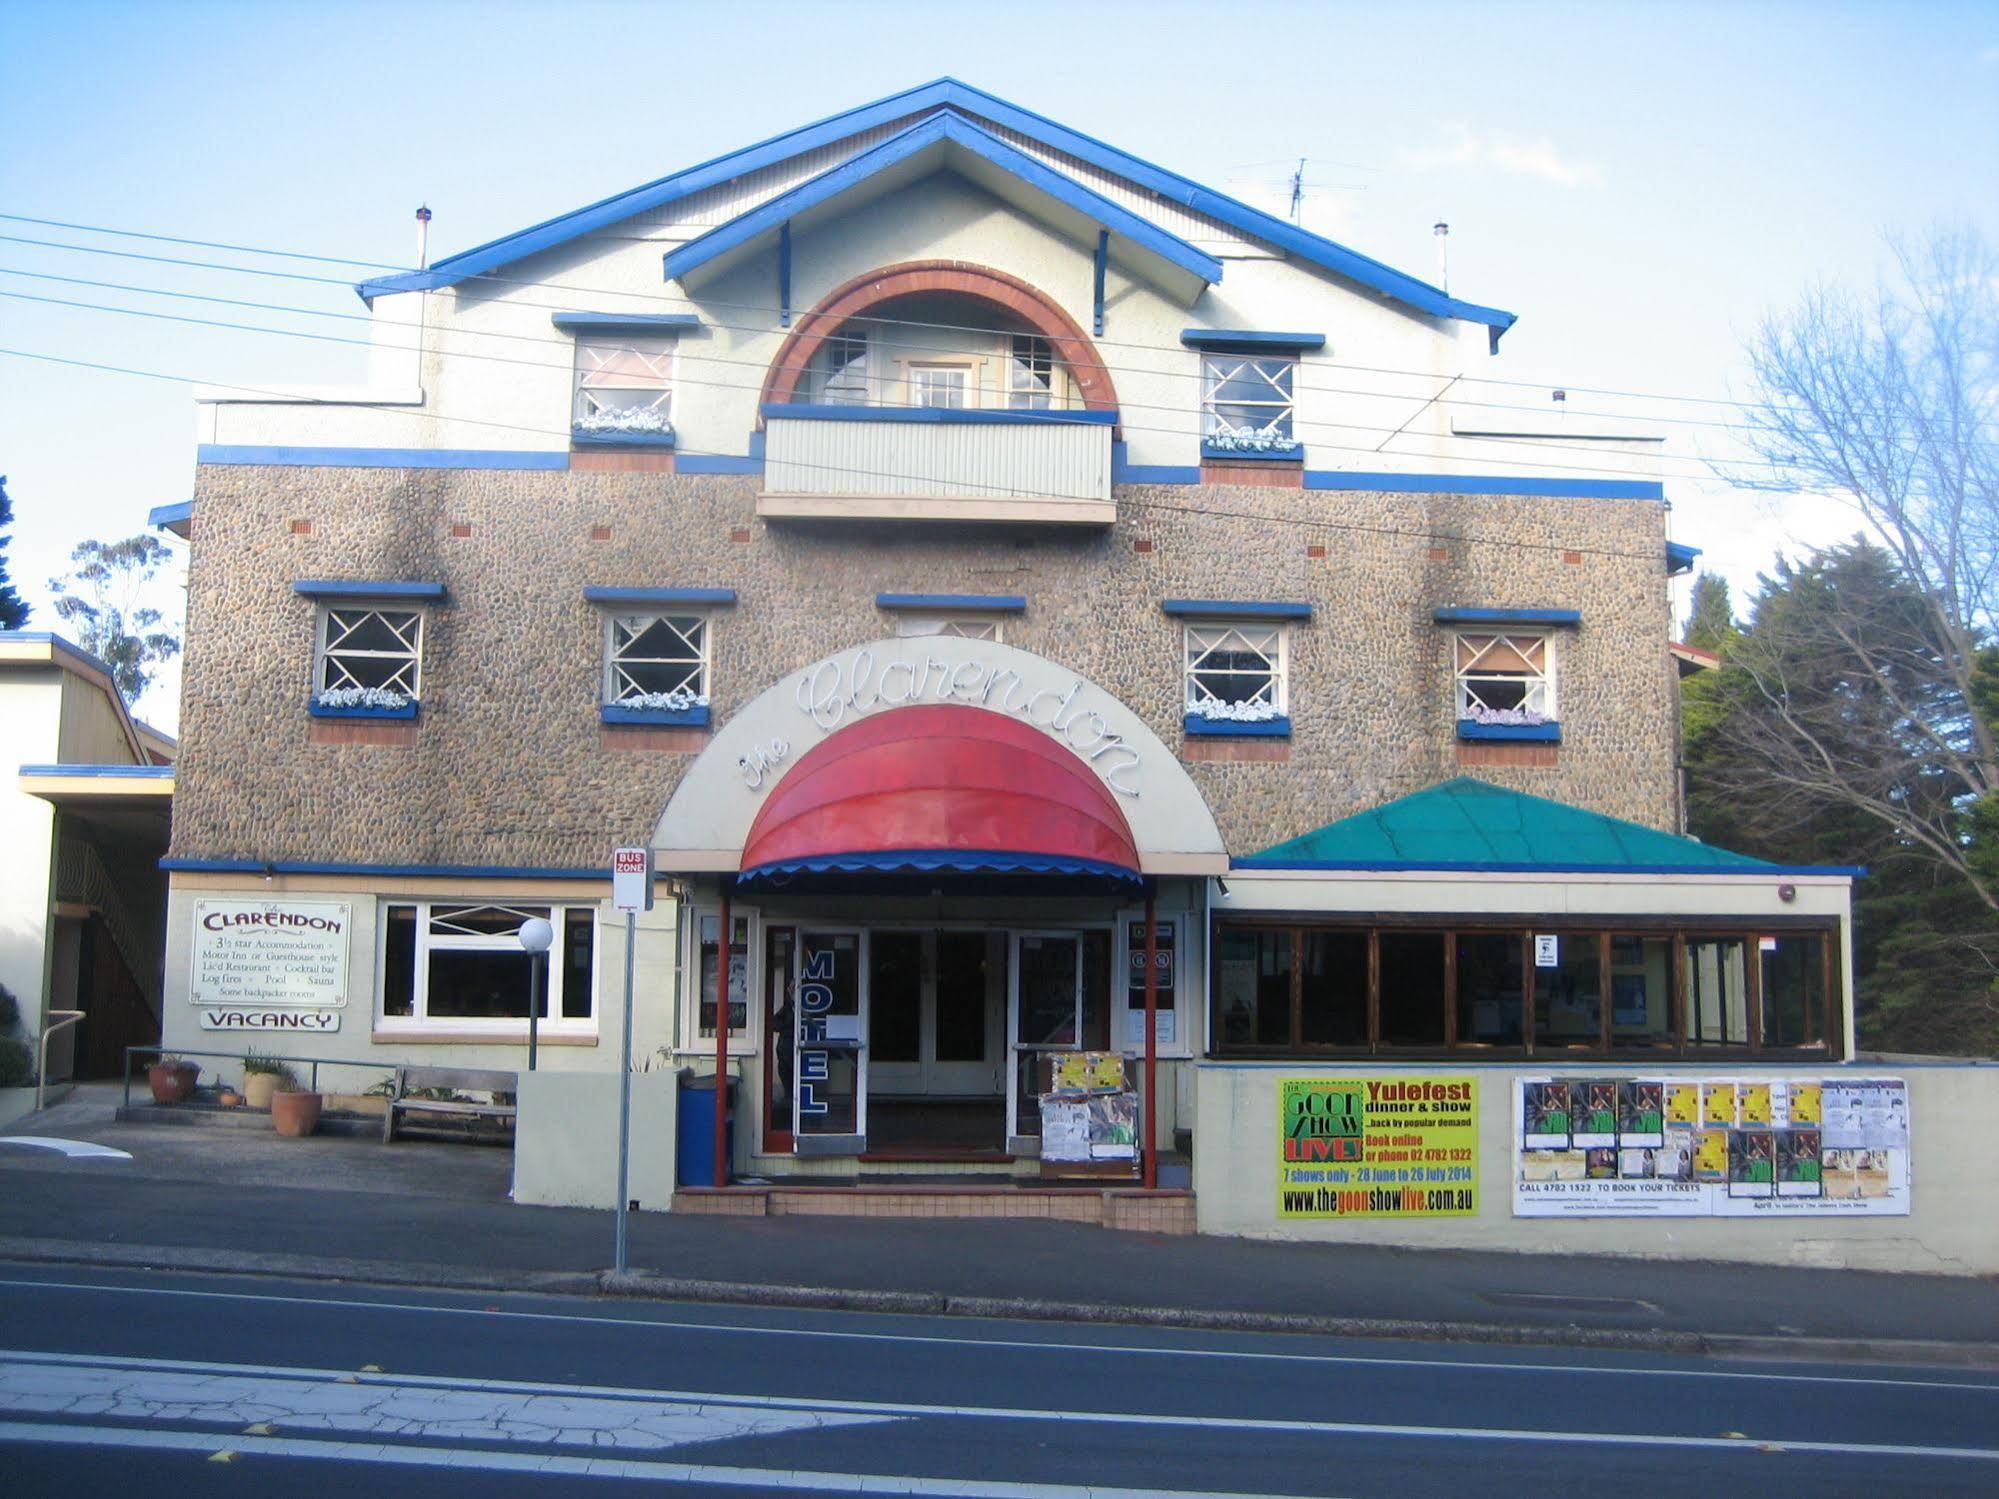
943 385
460 967
1506 679
1236 673
369 659
657 662
1030 374
624 387
1248 403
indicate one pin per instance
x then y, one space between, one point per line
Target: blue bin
694 1137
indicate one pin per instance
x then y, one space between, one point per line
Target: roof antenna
423 238
1298 193
1443 233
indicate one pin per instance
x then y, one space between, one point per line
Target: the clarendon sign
255 955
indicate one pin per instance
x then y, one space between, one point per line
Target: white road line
76 1150
767 1479
1056 1417
1593 1371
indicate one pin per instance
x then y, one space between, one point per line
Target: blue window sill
1529 733
1232 728
620 439
684 718
319 710
1245 455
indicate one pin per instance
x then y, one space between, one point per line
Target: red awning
940 788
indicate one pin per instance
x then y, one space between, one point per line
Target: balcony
931 463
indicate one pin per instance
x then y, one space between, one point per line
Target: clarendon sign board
261 955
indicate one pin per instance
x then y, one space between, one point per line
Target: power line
1325 524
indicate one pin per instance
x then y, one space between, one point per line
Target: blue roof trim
988 603
949 416
344 588
1455 616
283 457
1680 558
703 597
399 871
1696 871
625 322
105 772
1123 471
956 861
1248 338
716 463
177 514
958 131
1552 488
941 94
1236 609
56 643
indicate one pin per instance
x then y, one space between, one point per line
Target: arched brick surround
995 288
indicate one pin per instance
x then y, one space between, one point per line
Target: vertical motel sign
815 1003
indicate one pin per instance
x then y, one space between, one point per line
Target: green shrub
10 1012
17 1064
255 1062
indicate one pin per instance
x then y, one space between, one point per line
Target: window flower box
1518 728
1260 446
673 709
1259 719
362 702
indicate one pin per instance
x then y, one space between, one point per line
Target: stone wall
510 766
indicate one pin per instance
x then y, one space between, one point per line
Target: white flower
362 697
680 700
628 419
1251 440
1515 717
1220 712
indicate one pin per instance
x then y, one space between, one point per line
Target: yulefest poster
1710 1147
1404 1147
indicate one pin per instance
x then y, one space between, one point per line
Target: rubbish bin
694 1134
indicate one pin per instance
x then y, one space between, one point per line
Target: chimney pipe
423 238
1443 233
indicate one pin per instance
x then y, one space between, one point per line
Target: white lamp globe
536 935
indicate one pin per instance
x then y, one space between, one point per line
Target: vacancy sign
631 879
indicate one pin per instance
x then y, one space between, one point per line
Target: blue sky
1640 183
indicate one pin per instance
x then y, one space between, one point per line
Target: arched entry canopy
937 753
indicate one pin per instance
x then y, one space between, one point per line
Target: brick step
1169 1210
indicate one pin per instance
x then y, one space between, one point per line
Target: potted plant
172 1079
294 1112
261 1077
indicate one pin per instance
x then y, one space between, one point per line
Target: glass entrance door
1061 984
936 1014
830 1053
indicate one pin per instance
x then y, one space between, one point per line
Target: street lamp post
535 937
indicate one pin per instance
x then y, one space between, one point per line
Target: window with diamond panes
656 654
1244 395
624 385
378 648
1031 374
1236 666
840 371
1506 674
953 626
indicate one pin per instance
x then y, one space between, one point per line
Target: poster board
1089 1116
1400 1147
1690 1147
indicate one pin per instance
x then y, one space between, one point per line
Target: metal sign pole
625 1092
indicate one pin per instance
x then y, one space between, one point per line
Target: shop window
1248 399
462 967
1568 989
369 657
1332 989
657 661
839 372
1793 990
953 625
1641 991
1412 989
1716 981
1236 672
1506 679
710 927
1491 998
1253 986
624 387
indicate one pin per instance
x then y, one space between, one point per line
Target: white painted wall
31 711
1953 1227
566 1141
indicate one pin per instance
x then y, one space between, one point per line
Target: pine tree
13 608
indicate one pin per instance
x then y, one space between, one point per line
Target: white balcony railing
918 463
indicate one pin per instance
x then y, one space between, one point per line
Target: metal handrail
234 1056
69 1018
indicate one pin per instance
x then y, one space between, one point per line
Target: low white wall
1952 1228
566 1140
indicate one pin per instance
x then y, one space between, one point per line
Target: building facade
941 537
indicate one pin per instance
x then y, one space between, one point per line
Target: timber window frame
1249 396
363 649
1505 676
623 385
1236 675
434 957
657 652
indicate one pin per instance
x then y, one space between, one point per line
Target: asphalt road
109 1379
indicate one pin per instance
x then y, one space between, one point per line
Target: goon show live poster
1403 1147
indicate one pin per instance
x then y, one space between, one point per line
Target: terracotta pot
295 1114
229 1098
257 1089
172 1082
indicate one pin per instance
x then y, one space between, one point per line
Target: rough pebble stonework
508 766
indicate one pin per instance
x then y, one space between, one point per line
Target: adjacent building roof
1467 824
984 112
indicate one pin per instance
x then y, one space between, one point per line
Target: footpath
437 1215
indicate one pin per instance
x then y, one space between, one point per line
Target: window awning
940 789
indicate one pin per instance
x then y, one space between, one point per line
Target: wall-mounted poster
1401 1147
1710 1148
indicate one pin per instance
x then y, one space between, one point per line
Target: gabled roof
1467 824
35 648
975 106
947 137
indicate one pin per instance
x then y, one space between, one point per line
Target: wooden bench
438 1113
